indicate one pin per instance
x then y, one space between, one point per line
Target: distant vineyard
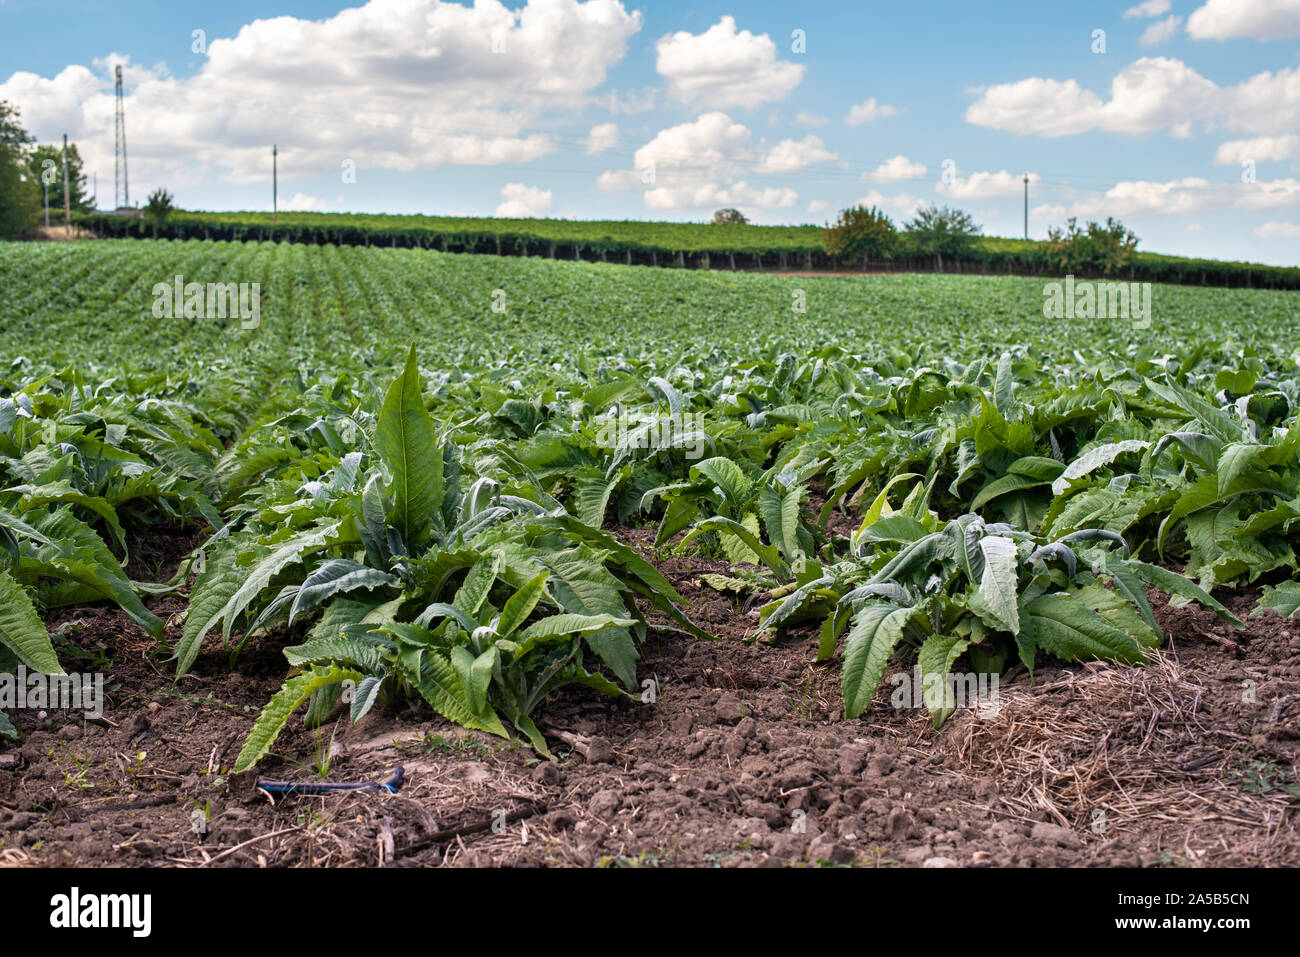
680 245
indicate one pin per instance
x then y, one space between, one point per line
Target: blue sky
1182 120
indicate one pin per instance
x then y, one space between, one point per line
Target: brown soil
59 234
744 759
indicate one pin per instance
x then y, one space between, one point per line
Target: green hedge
688 245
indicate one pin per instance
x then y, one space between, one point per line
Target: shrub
729 216
862 231
1106 249
938 231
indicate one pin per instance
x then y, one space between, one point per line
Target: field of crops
413 482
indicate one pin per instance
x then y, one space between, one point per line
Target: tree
18 192
158 208
939 231
46 157
862 231
1107 248
729 216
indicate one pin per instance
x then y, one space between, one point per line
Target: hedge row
682 245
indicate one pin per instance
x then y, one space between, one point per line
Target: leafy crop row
442 525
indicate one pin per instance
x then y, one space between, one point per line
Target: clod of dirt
1047 833
546 773
605 804
729 709
599 751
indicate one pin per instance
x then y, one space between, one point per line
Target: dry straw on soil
1130 743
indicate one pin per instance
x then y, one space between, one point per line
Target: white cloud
1148 8
1255 19
1142 198
1150 94
1160 31
899 207
1270 194
524 202
704 195
869 110
804 118
791 155
722 67
1277 230
712 141
603 136
300 203
896 169
399 84
985 185
1263 149
698 165
1194 228
818 206
1266 103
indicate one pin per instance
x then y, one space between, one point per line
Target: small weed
1258 775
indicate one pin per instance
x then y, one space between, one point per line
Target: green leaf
583 586
1283 598
766 553
335 577
335 648
521 604
22 631
1235 460
80 554
289 552
1010 482
1003 384
213 589
563 626
936 657
1037 466
877 629
18 526
1172 583
63 493
363 699
1063 626
478 584
999 582
1094 459
728 477
286 701
440 685
476 677
407 443
591 497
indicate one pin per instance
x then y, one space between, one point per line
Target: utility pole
1026 205
67 205
275 187
121 194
